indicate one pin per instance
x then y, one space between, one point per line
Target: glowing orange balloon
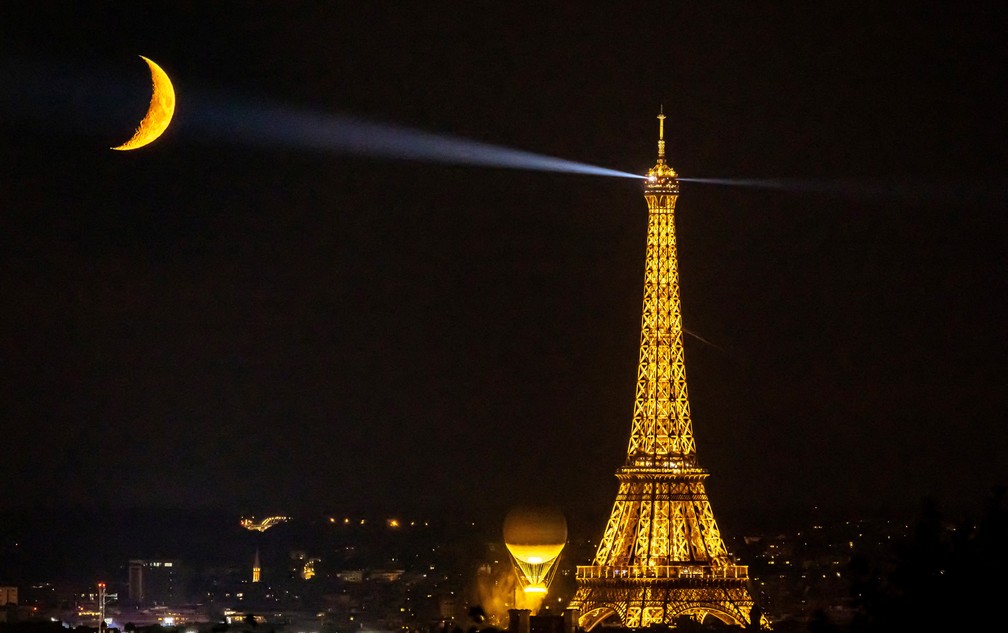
535 537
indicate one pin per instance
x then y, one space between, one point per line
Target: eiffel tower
662 556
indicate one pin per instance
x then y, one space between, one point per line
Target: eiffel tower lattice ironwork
661 556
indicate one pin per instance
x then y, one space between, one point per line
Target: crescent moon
159 114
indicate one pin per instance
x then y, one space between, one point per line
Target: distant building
386 575
8 595
9 604
155 582
351 575
256 568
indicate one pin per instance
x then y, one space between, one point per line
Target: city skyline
207 323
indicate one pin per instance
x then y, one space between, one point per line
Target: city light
261 526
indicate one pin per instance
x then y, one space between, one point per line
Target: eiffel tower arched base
640 602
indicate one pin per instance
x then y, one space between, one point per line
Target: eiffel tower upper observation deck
661 556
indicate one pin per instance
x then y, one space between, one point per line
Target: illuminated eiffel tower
662 556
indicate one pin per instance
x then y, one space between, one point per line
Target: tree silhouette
934 575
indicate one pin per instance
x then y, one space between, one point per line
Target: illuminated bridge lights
261 526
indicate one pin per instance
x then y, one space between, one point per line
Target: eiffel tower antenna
661 134
661 556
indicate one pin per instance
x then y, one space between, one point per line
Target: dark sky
207 323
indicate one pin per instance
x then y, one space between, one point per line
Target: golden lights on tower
661 556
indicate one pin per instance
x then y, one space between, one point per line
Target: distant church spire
256 569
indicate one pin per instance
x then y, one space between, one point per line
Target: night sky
211 323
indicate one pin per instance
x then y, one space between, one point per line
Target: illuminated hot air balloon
535 537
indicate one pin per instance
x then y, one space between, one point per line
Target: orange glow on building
256 569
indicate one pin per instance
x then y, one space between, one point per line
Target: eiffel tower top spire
661 177
661 133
